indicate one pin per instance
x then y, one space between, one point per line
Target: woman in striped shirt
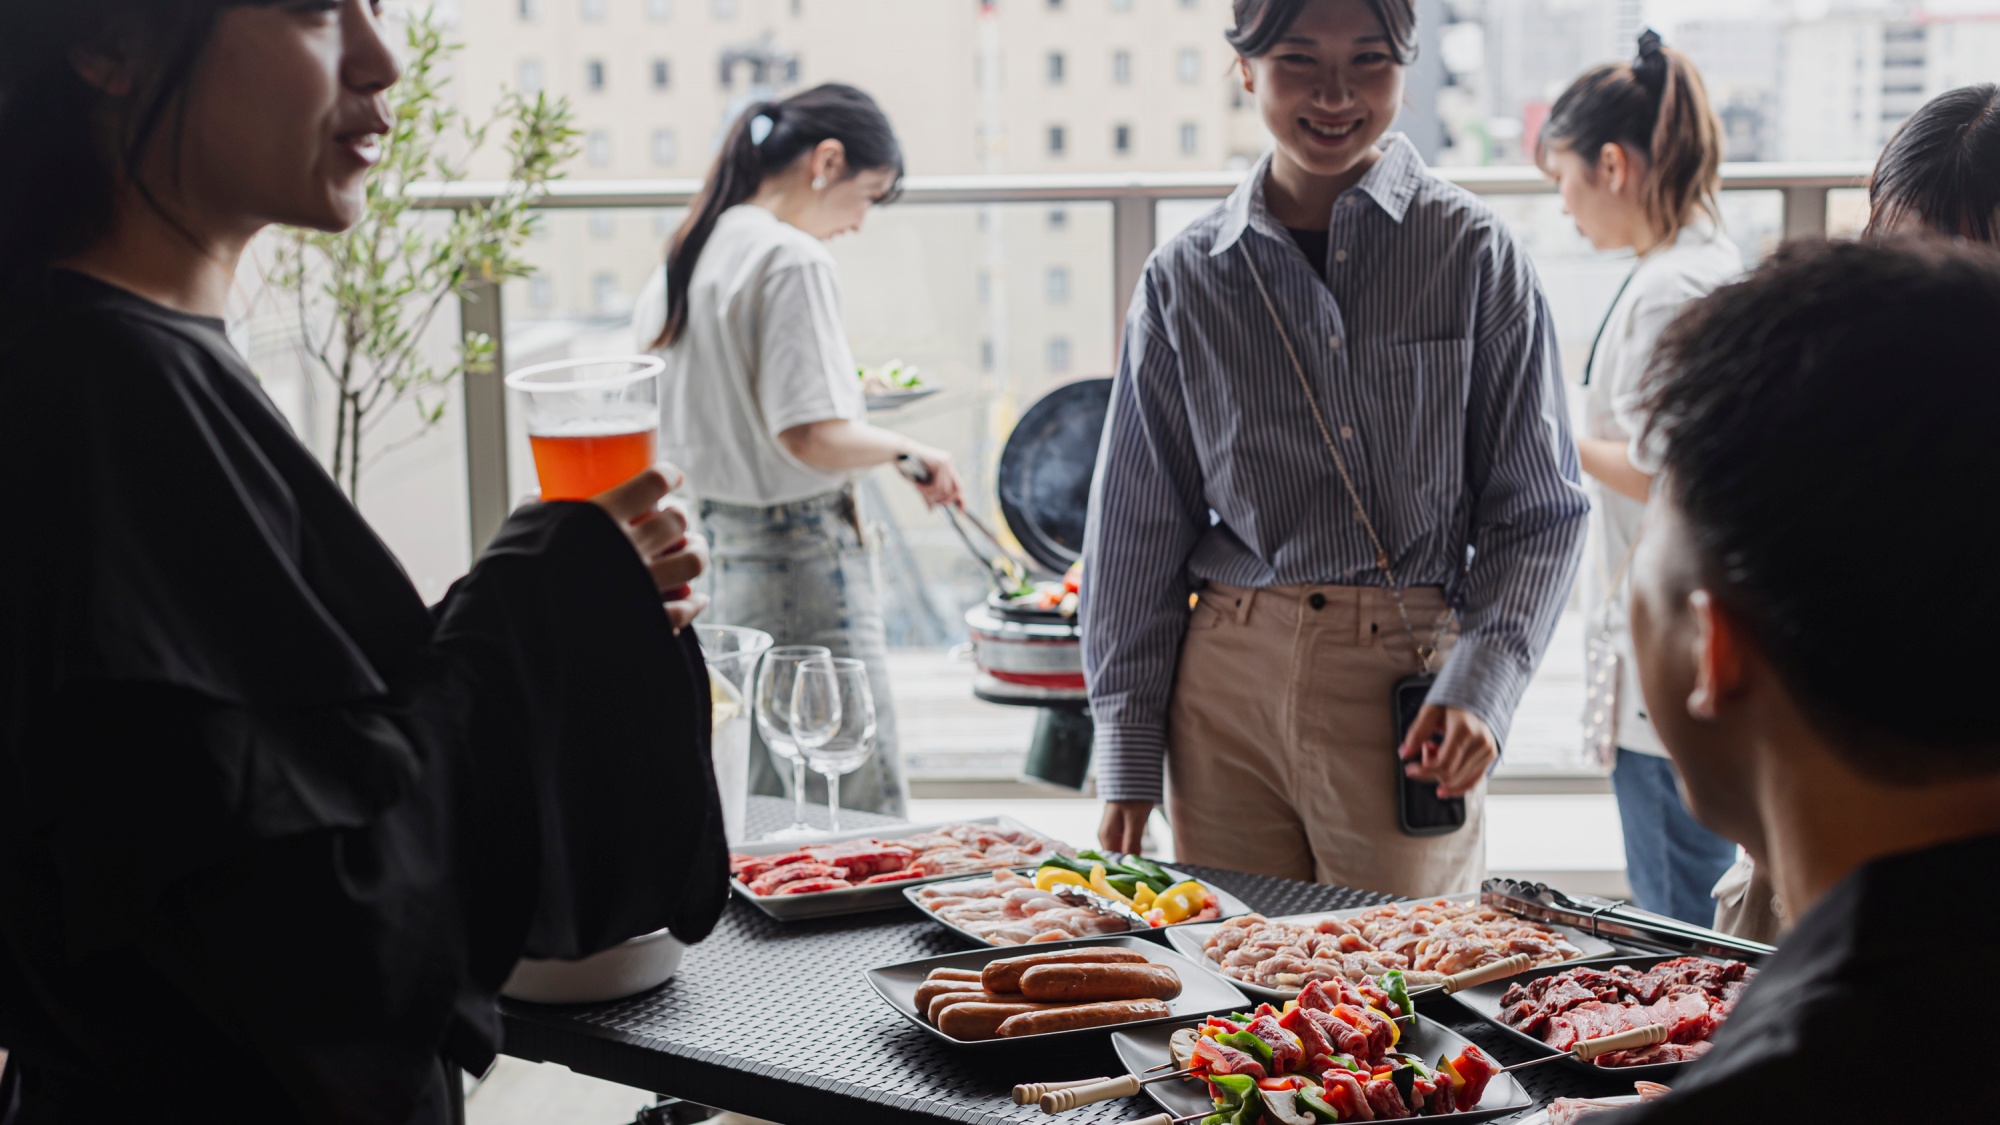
1337 418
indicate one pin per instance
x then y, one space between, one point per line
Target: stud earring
819 183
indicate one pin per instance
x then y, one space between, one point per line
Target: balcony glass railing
1000 288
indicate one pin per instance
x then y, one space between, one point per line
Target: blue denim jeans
803 573
1671 861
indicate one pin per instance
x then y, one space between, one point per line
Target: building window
1057 285
1121 139
665 151
723 9
1055 5
1058 355
530 81
604 292
986 355
660 74
1121 67
528 9
541 291
984 286
1058 218
1055 67
593 74
659 9
1190 138
593 10
1188 65
603 224
1190 5
1056 140
1121 5
597 148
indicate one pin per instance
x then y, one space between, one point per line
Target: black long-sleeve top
272 832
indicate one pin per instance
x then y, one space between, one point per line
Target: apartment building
1851 79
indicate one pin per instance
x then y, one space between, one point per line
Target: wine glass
833 721
775 680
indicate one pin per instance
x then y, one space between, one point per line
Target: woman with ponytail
272 831
1636 153
762 405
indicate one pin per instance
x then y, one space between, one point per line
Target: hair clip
760 128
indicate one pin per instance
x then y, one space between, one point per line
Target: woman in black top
271 831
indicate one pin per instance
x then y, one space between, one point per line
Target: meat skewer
1470 978
1103 1090
1589 1049
1028 1093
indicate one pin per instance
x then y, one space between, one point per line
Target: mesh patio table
775 1020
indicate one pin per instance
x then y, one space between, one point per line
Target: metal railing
1134 203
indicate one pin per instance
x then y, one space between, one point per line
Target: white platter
1189 939
857 900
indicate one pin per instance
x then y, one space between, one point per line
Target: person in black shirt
273 832
1809 642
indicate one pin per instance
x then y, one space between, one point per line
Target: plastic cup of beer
592 423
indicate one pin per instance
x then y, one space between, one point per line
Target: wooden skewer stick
1603 1045
1102 1090
1164 1119
1030 1093
1459 982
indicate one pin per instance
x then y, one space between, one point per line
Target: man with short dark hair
1813 623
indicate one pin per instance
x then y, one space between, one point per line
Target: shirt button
1347 431
1334 343
1317 601
1340 255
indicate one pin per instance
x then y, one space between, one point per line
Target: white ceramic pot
623 970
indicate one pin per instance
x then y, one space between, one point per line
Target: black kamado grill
1027 656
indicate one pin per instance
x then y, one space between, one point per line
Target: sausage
1005 975
945 1000
1076 984
1072 1017
952 974
932 989
975 1021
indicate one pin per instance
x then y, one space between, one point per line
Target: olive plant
367 297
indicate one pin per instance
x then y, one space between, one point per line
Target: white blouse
1698 260
763 351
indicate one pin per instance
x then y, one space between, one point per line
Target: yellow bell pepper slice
1182 901
1142 899
1049 878
1103 886
1289 1005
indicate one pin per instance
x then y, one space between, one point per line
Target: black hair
1261 23
1828 434
81 141
767 139
1942 168
1656 106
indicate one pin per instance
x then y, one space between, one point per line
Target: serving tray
1202 994
1142 1048
856 900
1231 907
1484 1000
1190 938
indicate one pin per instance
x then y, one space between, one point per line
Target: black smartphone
1419 810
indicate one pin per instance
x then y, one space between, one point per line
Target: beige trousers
1281 753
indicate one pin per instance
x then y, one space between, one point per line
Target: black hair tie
1651 66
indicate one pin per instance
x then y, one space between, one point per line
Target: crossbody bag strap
1426 654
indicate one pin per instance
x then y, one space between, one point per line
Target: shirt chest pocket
1412 398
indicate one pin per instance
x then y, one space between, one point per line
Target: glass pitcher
732 653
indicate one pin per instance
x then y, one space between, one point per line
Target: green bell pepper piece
1248 1044
1235 1088
1067 864
1124 885
1346 1062
1311 1100
1398 987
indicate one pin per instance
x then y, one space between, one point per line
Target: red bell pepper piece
1472 1065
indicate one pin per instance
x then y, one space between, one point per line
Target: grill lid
1045 471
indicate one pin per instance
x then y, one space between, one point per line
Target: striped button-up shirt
1431 352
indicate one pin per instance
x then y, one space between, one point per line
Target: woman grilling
272 832
763 407
1337 418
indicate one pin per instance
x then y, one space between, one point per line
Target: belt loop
1243 603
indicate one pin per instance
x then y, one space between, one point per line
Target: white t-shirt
763 351
1672 274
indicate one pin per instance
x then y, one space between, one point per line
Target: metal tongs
1005 578
1614 918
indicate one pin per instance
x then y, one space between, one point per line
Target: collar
1392 183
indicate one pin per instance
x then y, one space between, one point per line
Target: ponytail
765 140
1657 107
